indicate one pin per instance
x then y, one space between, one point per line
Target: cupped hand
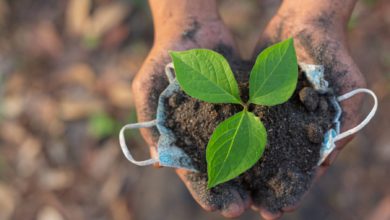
318 39
151 81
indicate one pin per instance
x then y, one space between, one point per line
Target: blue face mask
315 75
169 155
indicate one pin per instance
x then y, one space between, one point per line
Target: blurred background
65 73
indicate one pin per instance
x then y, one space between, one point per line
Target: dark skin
318 28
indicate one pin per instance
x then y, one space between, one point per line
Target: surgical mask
169 155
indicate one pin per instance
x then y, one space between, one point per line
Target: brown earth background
65 73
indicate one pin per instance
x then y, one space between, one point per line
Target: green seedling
238 142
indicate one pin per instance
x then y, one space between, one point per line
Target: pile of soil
295 130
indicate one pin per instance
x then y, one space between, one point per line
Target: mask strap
366 120
168 71
124 147
122 142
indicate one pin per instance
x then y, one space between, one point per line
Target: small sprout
238 142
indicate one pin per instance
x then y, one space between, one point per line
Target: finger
227 198
235 208
154 154
206 205
268 215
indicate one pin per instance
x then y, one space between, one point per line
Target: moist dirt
295 130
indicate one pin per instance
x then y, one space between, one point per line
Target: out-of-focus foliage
102 125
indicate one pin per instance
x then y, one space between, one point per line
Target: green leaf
205 75
274 76
234 147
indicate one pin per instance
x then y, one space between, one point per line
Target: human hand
184 28
318 29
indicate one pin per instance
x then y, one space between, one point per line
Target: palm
151 81
317 45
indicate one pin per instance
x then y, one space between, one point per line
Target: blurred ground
65 74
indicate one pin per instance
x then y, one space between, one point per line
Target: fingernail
270 215
232 211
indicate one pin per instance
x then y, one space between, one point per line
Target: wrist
283 26
319 13
182 13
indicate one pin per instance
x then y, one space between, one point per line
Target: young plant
238 142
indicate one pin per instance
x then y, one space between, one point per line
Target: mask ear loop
168 71
124 147
366 120
122 142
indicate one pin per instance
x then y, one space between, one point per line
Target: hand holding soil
318 31
193 29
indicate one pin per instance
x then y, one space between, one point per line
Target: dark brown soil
295 131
